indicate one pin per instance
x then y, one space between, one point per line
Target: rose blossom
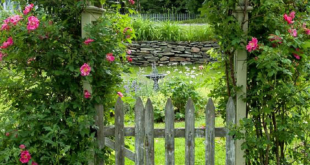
85 69
289 19
86 94
307 31
88 41
201 67
128 51
25 157
9 42
293 32
5 26
252 45
129 59
28 9
110 57
22 146
296 55
15 19
33 23
34 163
7 134
131 2
120 94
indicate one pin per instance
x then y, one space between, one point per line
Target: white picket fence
166 17
9 5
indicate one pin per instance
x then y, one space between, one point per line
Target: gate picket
149 133
210 132
230 143
189 132
169 133
119 133
139 132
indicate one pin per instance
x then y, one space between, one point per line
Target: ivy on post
241 13
90 14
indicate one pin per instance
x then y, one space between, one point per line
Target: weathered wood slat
169 133
230 143
99 118
160 132
149 133
119 133
210 132
139 132
189 133
111 144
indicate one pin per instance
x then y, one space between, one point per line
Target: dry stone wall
145 53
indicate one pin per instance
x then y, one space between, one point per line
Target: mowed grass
180 145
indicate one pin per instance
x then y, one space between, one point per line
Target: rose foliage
43 65
276 127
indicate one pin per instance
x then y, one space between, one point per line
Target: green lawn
180 146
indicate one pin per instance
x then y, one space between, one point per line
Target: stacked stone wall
145 53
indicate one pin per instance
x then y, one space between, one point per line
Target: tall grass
147 30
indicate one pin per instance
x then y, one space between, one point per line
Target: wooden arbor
92 13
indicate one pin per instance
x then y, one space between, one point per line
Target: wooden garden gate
145 133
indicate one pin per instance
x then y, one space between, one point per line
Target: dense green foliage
276 130
146 30
42 86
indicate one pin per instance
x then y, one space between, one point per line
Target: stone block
185 55
172 59
195 50
164 58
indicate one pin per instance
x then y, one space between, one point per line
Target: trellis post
92 13
241 13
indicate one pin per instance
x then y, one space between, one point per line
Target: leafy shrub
179 91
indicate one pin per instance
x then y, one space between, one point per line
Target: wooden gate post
90 14
241 14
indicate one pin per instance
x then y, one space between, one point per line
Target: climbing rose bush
44 67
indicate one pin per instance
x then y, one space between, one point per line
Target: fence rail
166 17
144 133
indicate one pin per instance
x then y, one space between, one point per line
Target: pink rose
292 15
129 59
201 67
33 23
7 134
296 55
293 32
9 42
252 45
120 94
131 2
28 9
25 156
85 69
88 41
110 57
22 146
15 19
128 51
126 29
288 19
86 94
5 26
34 163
